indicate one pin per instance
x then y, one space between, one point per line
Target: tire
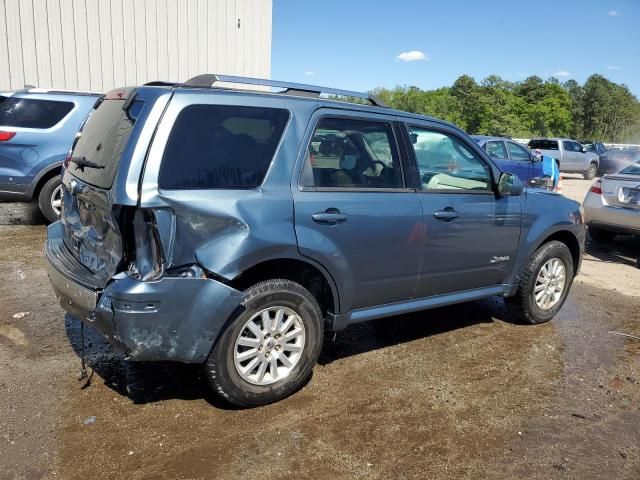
223 367
523 305
601 236
591 172
46 198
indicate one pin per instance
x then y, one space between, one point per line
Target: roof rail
208 80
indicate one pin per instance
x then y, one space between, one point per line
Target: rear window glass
544 144
632 169
221 146
104 137
32 113
2 98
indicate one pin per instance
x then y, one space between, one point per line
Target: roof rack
208 80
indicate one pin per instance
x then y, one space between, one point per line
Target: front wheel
544 284
591 172
267 351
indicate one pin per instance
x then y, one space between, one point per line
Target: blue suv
37 127
235 228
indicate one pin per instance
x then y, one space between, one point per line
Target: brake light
596 187
5 136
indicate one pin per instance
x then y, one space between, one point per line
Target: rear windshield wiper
82 162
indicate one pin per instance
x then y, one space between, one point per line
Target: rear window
32 113
2 98
543 144
221 146
97 153
631 169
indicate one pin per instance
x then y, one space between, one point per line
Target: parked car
612 205
612 161
572 157
235 228
514 158
596 147
37 127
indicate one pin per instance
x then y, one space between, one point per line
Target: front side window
32 113
568 146
446 163
221 147
518 153
496 150
352 153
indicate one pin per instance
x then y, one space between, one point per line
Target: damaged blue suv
234 228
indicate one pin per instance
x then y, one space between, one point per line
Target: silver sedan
612 205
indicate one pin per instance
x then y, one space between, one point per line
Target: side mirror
509 185
583 150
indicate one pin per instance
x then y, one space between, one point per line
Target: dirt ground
452 393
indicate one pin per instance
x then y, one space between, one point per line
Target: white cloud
613 67
561 73
613 13
412 56
309 73
521 74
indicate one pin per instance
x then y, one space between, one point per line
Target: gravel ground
458 392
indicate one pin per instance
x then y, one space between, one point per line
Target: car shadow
623 249
149 382
21 214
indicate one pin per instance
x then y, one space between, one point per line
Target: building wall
101 44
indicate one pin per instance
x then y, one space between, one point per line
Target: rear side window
221 146
543 144
97 153
2 98
32 113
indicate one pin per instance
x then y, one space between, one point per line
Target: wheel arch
311 276
44 176
570 240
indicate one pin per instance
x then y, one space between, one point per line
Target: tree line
598 110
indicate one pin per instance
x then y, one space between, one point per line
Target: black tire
45 197
220 368
522 305
601 236
591 172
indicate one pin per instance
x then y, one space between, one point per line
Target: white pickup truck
571 156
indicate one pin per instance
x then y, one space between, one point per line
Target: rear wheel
268 351
591 172
544 284
601 236
50 199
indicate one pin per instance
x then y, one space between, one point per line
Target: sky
360 45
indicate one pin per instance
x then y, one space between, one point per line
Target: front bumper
173 318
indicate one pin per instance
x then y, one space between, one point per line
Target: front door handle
446 215
330 216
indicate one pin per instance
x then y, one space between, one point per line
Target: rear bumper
614 219
174 318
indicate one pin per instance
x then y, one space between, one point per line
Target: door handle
446 215
330 216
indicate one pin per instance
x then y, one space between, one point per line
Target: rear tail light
596 187
5 136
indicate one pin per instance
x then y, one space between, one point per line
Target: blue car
513 158
37 129
236 228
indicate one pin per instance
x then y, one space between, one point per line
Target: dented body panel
173 318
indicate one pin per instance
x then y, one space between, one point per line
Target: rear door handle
331 216
446 215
